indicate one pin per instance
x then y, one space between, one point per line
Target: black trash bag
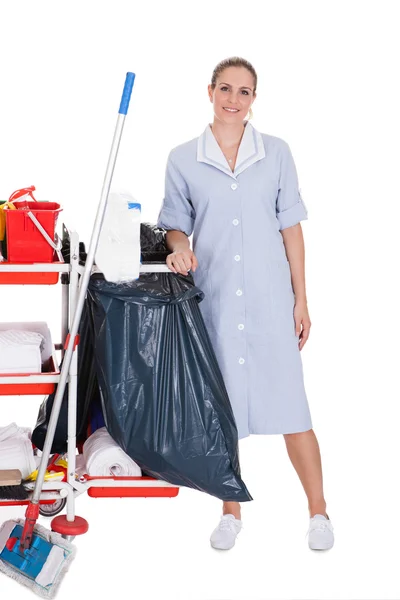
59 445
163 396
154 249
153 243
88 393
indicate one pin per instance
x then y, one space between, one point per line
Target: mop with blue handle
29 553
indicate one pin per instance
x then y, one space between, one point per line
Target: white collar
251 150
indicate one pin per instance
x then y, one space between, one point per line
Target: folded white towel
14 337
13 430
103 457
16 450
20 351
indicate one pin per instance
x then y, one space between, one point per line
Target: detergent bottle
118 250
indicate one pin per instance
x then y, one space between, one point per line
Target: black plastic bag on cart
163 395
88 396
153 249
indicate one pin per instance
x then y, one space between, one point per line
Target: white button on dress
235 222
237 257
241 326
239 292
234 186
241 361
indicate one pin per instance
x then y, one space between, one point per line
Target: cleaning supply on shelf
56 470
118 249
103 457
31 229
11 486
20 351
49 476
16 451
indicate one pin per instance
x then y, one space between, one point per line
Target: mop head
40 568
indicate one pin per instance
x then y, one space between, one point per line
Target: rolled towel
80 466
103 457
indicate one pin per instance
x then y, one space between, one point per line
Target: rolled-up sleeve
176 211
290 208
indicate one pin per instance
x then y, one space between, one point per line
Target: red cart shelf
30 384
131 492
23 502
31 273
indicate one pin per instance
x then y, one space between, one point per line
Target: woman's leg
303 450
224 535
231 508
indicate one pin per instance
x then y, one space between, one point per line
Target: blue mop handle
126 94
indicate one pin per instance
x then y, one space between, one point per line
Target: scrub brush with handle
11 487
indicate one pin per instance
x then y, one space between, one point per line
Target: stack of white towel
16 450
20 351
103 457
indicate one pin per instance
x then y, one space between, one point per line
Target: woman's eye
224 88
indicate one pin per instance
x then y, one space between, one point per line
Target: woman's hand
302 322
182 261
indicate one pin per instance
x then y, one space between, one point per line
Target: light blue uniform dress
236 219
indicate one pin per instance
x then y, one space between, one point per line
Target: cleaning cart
34 556
55 495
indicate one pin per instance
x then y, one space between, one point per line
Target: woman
236 190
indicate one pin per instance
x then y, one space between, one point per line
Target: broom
11 487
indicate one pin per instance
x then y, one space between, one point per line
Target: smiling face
233 94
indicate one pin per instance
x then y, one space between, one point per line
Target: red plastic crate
133 492
25 243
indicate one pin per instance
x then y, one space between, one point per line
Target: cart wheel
51 510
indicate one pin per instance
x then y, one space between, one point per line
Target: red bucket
25 242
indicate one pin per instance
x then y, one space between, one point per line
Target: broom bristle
11 487
13 492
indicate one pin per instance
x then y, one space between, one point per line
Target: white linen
20 351
103 457
16 450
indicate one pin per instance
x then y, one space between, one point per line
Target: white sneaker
224 535
320 533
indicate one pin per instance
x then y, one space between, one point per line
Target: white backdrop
328 86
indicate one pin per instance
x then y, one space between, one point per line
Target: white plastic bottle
118 250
